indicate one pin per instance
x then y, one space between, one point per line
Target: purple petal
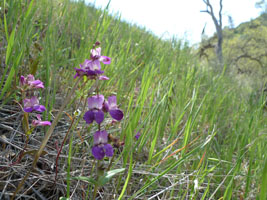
91 73
27 103
85 64
105 60
94 72
89 117
96 53
36 84
96 102
97 43
38 117
98 152
99 116
95 65
35 122
39 108
91 65
103 78
31 82
108 150
41 85
137 135
100 137
40 123
116 114
28 109
79 72
22 80
99 71
34 101
105 106
32 104
30 77
45 123
112 102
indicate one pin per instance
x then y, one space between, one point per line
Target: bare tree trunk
218 26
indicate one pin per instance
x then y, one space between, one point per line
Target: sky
179 18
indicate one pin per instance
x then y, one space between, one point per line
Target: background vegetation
203 134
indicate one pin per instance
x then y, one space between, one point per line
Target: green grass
195 124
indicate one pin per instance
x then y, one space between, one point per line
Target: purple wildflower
103 78
95 105
30 82
39 122
111 107
138 134
90 68
96 55
101 146
32 104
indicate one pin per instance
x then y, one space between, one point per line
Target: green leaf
29 9
263 194
10 45
108 175
10 76
64 198
84 178
128 177
5 23
8 82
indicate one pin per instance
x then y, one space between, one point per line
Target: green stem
97 87
111 161
95 191
25 121
96 185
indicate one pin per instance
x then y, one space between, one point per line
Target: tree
218 26
262 4
231 22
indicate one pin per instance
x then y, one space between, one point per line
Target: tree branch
218 26
220 13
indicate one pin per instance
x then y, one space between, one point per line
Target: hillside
92 107
244 51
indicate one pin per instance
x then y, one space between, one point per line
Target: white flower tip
77 112
196 186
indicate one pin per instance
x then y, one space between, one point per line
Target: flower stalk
98 106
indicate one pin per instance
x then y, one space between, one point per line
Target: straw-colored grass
201 138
